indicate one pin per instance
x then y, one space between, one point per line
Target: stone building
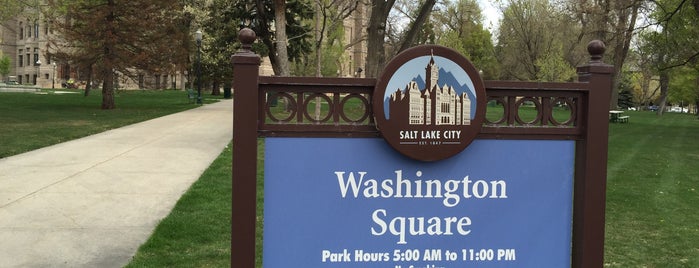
24 39
431 105
355 31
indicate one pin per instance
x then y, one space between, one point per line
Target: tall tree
675 43
532 35
685 89
613 22
118 37
459 25
330 15
416 24
380 9
220 42
259 16
281 39
642 65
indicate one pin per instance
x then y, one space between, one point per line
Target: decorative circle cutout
524 117
354 116
311 103
497 115
280 107
562 111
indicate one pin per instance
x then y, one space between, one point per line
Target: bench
192 95
623 119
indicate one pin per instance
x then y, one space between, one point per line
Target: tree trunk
108 92
625 28
280 35
376 32
263 31
215 90
425 11
320 31
88 86
664 88
696 90
109 57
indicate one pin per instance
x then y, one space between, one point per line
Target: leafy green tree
641 71
626 95
4 66
461 28
123 37
10 8
685 89
532 35
553 68
333 51
625 99
329 32
674 44
220 27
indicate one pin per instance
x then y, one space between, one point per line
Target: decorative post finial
247 36
596 49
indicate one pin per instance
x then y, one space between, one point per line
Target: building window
21 31
141 81
157 81
36 56
29 59
21 59
36 29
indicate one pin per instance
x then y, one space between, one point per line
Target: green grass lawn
197 231
30 121
653 192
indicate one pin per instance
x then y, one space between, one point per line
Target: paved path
92 202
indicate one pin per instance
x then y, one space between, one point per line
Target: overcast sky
491 14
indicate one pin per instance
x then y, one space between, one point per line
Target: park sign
361 204
420 177
503 203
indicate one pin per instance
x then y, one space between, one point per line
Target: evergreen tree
122 37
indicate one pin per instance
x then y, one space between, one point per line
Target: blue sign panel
357 203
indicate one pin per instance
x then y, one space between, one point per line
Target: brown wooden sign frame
588 125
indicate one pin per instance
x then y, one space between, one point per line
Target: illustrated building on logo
432 105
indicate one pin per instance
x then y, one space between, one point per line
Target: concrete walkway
92 202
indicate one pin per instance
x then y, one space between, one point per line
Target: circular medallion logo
429 102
